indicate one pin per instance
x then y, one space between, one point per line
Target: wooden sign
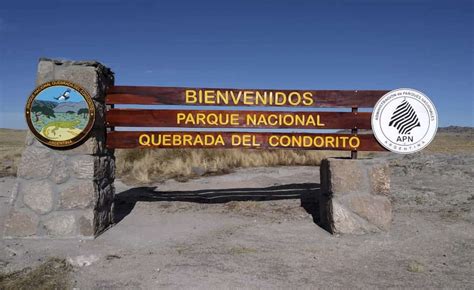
255 119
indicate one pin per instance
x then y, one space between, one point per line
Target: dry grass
52 274
144 166
11 146
452 143
154 165
415 267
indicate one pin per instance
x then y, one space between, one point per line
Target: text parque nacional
249 119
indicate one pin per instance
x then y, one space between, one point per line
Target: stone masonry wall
66 193
355 196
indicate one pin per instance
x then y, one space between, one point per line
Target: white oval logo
404 121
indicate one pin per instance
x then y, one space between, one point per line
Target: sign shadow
307 193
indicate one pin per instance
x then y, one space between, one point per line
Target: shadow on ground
306 192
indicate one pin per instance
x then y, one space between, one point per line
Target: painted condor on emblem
404 121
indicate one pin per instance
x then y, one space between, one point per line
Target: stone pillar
66 193
355 196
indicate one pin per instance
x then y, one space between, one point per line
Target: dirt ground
248 229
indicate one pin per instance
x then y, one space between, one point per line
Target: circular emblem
60 113
404 121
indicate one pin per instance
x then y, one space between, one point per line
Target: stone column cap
92 63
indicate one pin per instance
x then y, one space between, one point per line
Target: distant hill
456 129
449 129
69 106
49 104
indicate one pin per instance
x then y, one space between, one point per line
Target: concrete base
355 196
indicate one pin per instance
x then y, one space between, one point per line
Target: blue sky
55 91
340 44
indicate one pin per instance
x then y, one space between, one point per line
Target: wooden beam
163 139
236 119
242 97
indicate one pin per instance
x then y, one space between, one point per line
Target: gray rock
35 162
102 167
38 195
112 168
83 166
60 224
100 109
86 224
45 72
20 224
103 219
379 176
60 173
14 192
79 194
346 175
30 138
85 76
344 221
354 196
377 210
106 196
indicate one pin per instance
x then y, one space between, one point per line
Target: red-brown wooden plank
176 96
168 118
130 139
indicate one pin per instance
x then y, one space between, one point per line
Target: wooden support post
354 131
